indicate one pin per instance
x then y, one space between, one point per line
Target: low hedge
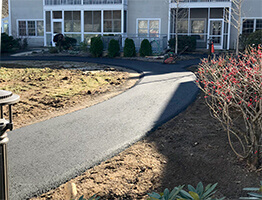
183 41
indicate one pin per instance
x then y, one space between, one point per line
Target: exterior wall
26 9
250 9
136 9
147 9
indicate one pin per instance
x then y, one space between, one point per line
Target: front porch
210 22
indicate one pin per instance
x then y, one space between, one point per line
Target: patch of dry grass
44 91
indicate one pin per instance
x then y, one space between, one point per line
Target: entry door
216 29
57 28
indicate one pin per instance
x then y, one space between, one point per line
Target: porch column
10 18
208 26
82 25
229 28
102 22
188 22
168 21
44 28
122 21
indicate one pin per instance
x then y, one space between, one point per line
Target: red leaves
236 80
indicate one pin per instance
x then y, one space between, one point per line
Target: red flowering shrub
233 92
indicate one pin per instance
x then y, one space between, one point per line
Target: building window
248 26
57 14
198 26
72 21
40 28
48 21
148 27
182 26
259 24
30 28
112 21
251 25
22 28
92 21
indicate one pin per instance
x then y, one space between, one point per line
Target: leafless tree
177 15
235 15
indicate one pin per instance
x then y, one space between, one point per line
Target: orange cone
212 48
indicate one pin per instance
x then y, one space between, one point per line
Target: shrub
68 43
198 193
183 41
96 47
83 46
254 39
8 43
129 48
113 48
232 86
53 50
146 48
25 44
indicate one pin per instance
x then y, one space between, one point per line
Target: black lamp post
7 98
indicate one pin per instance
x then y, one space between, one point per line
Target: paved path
46 154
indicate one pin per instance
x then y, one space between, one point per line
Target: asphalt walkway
44 155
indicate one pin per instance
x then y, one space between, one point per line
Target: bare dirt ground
190 148
49 89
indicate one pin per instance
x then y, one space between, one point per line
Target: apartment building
40 20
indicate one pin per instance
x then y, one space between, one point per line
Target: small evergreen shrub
113 48
254 39
25 44
83 46
8 43
183 41
68 43
129 48
146 48
96 47
53 50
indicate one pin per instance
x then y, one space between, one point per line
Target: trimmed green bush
83 46
8 43
68 43
53 50
129 48
183 41
96 47
146 48
254 39
113 48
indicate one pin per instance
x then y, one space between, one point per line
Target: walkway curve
44 155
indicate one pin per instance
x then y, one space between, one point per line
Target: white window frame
27 35
148 22
245 18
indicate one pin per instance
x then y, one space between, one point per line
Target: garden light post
7 98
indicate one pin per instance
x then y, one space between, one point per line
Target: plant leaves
209 191
185 194
200 189
166 194
191 188
194 195
174 192
255 194
155 195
